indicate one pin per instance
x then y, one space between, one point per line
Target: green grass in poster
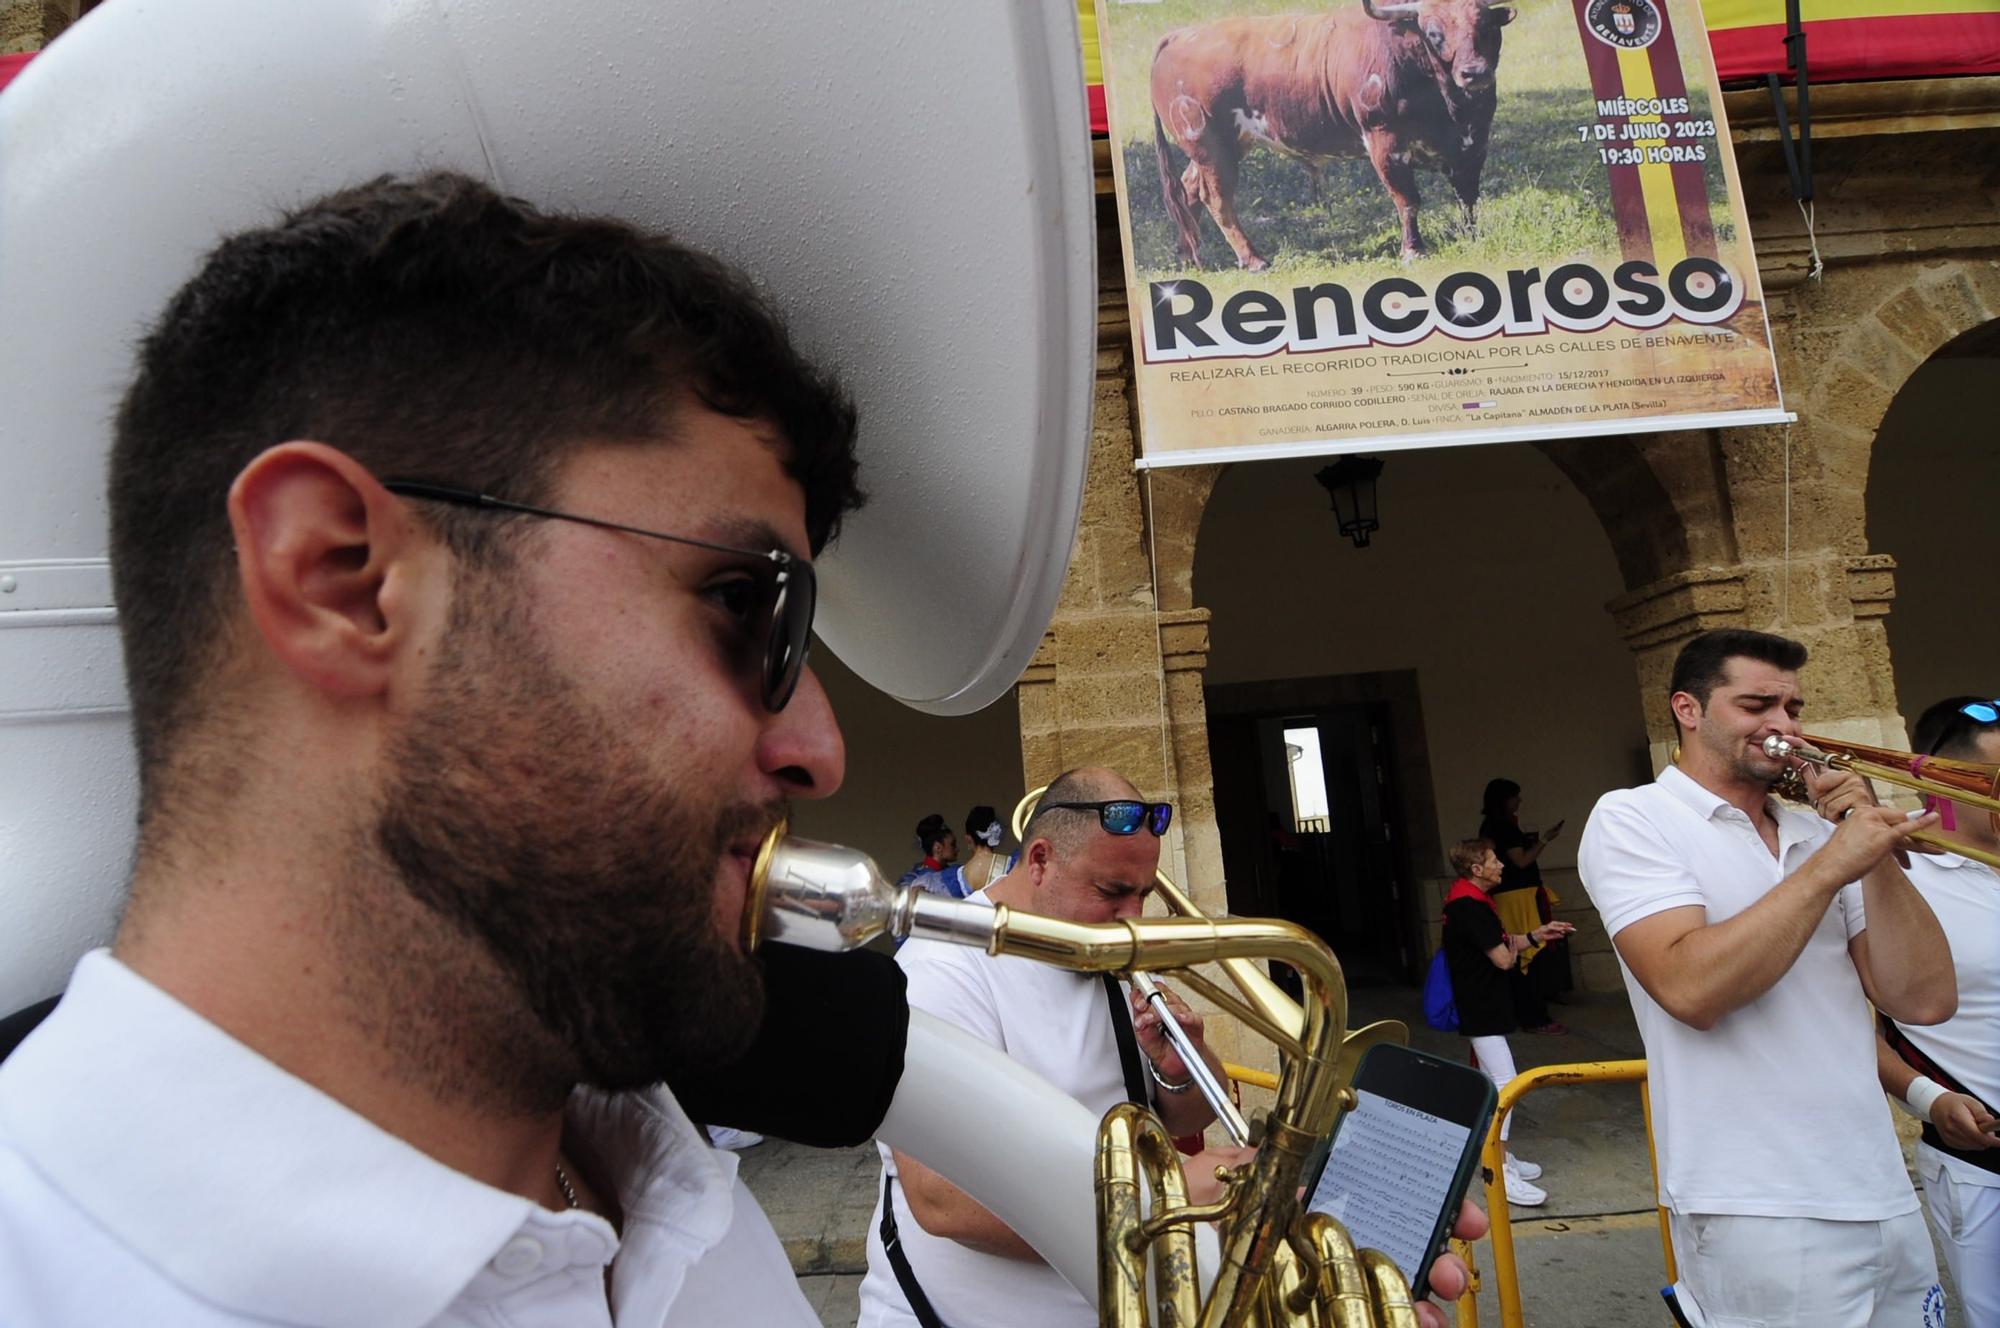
1544 196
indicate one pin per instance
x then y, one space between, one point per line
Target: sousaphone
911 185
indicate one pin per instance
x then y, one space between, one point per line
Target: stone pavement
1591 1256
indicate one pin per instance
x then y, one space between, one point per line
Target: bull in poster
1589 270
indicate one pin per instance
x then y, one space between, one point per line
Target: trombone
1969 783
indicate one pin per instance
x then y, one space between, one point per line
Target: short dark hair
1469 853
1703 662
431 329
1945 730
1066 827
933 829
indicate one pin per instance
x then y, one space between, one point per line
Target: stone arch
1928 506
1867 363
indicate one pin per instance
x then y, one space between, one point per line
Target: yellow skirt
1520 913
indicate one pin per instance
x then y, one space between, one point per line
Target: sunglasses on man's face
1986 712
1124 816
779 614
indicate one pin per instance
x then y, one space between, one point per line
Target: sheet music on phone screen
1389 1175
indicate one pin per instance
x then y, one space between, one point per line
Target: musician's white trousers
1805 1272
1966 1221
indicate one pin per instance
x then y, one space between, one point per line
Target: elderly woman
1481 955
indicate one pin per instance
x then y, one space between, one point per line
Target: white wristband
1921 1095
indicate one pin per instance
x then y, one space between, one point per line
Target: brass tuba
1278 1264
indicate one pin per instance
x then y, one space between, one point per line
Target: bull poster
1364 225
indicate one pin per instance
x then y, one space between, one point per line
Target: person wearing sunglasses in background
935 1256
1948 1075
1088 855
463 560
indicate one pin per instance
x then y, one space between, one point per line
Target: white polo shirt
1058 1024
154 1171
1776 1111
1965 895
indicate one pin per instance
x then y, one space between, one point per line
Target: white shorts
1804 1272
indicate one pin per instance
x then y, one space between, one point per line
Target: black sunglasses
787 587
1124 816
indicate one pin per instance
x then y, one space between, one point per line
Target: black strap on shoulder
1128 1044
14 1029
1986 1159
906 1276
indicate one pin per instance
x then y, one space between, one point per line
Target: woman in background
1524 904
985 863
1481 954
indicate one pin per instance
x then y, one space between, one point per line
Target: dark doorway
1310 803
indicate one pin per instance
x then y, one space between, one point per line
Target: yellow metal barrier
1243 1074
1506 1275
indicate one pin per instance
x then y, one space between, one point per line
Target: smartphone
1401 1161
1554 829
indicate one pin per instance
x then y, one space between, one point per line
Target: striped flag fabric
1848 40
1661 206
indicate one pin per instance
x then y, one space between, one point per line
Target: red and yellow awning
1848 40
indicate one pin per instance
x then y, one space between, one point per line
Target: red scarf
932 864
1465 889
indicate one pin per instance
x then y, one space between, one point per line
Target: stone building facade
1760 527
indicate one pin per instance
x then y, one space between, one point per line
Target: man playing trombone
935 1256
1753 937
1948 1074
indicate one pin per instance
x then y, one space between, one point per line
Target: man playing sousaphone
1753 937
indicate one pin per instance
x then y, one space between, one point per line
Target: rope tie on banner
1785 594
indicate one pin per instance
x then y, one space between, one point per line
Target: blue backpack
1440 1010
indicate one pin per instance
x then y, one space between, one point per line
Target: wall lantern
1351 481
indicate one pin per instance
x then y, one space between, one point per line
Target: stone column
29 25
1118 678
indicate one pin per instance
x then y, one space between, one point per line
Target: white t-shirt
1776 1111
155 1171
1965 895
1054 1022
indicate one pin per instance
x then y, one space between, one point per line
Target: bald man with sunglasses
1088 855
935 1256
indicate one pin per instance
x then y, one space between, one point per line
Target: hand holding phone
1401 1161
1549 835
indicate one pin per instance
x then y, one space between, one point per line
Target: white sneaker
724 1137
1520 1192
1523 1168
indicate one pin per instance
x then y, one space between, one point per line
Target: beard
1743 763
531 827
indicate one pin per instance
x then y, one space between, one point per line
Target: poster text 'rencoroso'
1184 322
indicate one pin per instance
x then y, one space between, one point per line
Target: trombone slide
1216 1095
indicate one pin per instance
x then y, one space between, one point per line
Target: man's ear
1687 710
323 555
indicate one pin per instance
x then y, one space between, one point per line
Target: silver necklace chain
568 1190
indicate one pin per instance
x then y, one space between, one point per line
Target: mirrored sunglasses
1124 816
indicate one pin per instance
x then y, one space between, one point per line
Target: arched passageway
1469 640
